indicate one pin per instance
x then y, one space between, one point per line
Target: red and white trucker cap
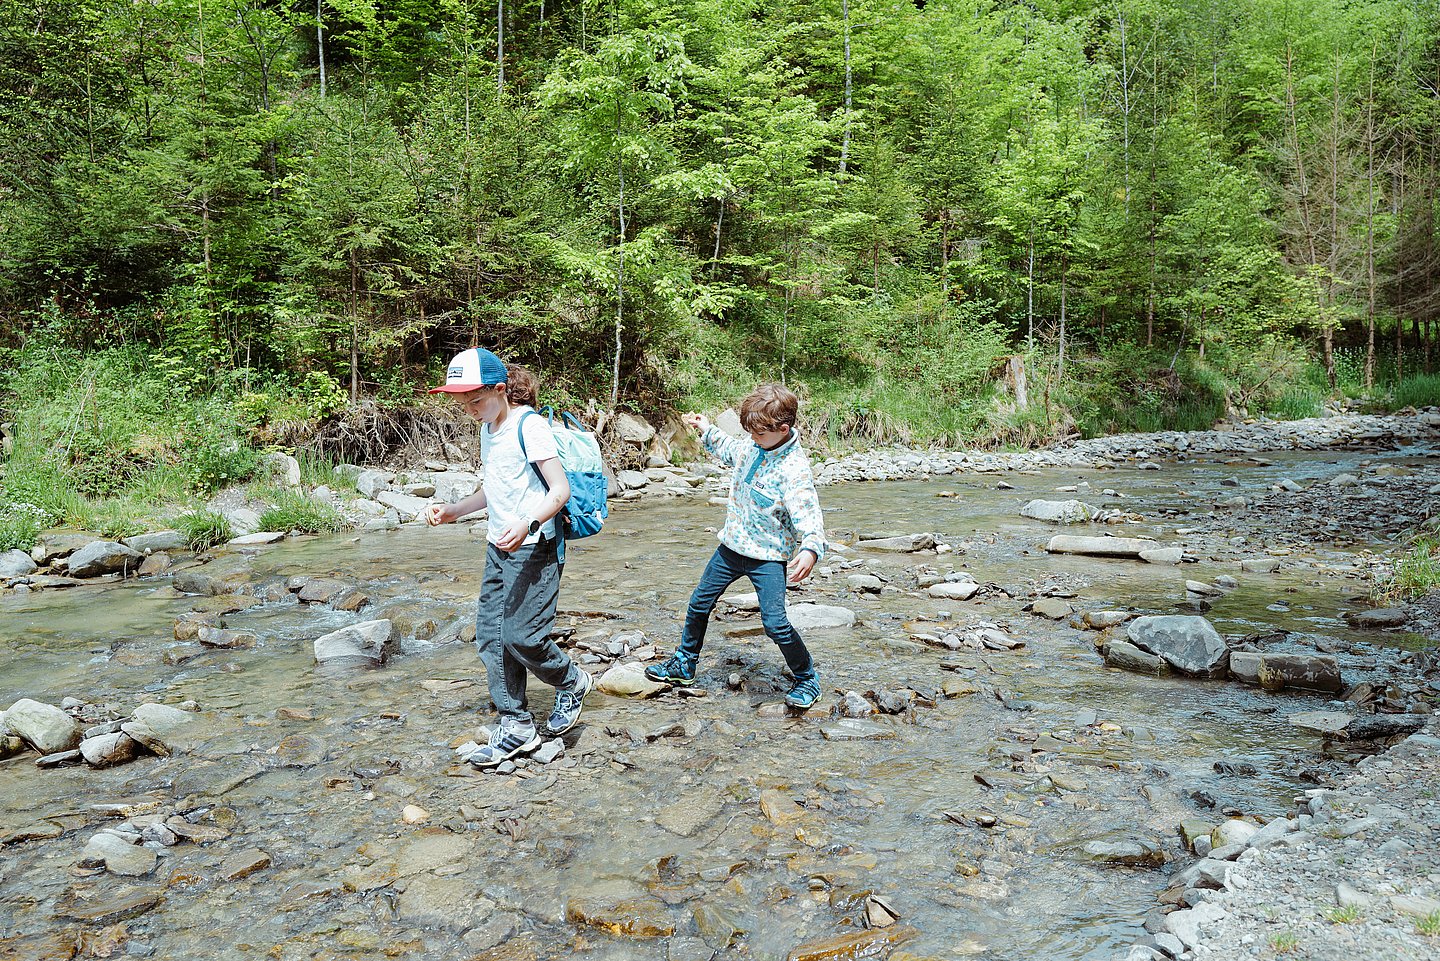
472 369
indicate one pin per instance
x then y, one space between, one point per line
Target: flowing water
968 818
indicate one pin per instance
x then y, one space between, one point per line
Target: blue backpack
586 510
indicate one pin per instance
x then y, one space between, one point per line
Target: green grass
1295 402
1415 571
204 529
293 511
1348 914
1286 942
1429 925
1421 390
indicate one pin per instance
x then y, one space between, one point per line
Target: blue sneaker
508 739
675 669
568 705
804 695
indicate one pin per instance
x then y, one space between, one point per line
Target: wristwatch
534 526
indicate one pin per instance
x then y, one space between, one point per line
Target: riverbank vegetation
240 225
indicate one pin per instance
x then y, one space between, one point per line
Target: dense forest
950 220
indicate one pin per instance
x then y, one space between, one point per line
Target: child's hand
513 537
436 514
801 566
697 422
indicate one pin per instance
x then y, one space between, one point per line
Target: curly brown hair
769 407
521 387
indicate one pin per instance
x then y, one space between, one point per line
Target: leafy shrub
204 529
296 512
20 525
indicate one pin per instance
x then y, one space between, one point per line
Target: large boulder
1187 642
1128 657
17 564
903 544
281 469
1100 546
454 486
103 557
1059 512
44 727
632 429
629 680
153 541
372 482
406 505
1312 672
368 640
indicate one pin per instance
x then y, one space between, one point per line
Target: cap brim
455 388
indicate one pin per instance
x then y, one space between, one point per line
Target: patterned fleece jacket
774 511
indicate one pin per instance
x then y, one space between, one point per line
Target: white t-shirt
513 490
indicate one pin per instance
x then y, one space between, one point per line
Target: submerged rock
637 917
857 944
370 640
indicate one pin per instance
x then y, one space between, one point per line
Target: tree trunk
845 138
619 270
320 42
500 45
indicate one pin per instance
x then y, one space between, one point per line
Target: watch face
534 527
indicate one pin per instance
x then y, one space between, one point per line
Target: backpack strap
559 519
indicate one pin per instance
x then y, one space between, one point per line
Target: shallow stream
968 817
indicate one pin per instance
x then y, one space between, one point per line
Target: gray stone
1377 619
406 506
1190 925
953 590
1328 723
1100 546
815 617
280 468
257 539
632 479
164 719
369 639
1311 672
1163 555
903 544
865 583
1101 620
1059 512
1135 852
632 429
1245 666
103 557
17 564
455 486
629 680
851 729
107 750
855 704
242 520
1189 643
119 856
156 541
372 482
1055 608
43 726
1128 657
1260 565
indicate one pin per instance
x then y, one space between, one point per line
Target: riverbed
746 829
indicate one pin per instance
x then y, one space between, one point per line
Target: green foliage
20 525
1412 574
204 529
1286 942
1418 391
1429 925
1348 914
293 511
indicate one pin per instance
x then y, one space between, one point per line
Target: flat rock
257 538
637 917
1101 620
405 505
1163 555
903 544
1133 852
163 719
1311 672
1127 657
105 905
15 563
1260 565
1329 723
812 617
1054 608
1100 546
855 944
1059 512
953 590
242 864
119 856
1379 618
852 729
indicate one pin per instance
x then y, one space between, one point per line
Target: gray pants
513 620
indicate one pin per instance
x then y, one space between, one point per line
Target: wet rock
629 680
953 590
1188 643
108 750
718 925
637 917
256 539
1372 727
1163 555
1312 672
1099 546
854 704
1101 620
443 903
1054 608
856 944
1128 657
1328 723
865 583
103 557
155 564
1244 666
1132 852
59 759
242 864
954 687
850 729
902 544
163 719
370 640
227 640
119 856
894 702
814 617
15 563
697 810
1377 619
43 726
406 506
1059 512
105 905
300 751
778 807
321 590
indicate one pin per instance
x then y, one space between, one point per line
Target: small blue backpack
586 510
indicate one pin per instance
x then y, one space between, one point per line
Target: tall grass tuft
204 529
1415 572
294 511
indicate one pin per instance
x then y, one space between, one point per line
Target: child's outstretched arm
716 441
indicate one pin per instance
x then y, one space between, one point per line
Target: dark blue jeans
725 568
